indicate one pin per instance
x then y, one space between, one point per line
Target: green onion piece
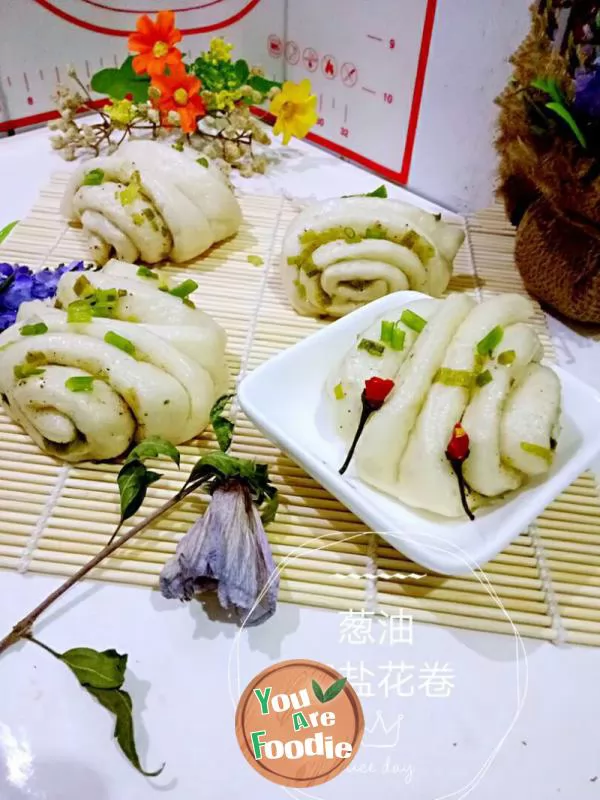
256 261
479 362
82 287
381 191
490 342
178 146
484 378
184 289
80 383
203 162
507 357
537 450
187 302
121 342
22 371
294 261
94 177
129 194
35 329
350 233
454 377
412 320
79 311
372 348
376 231
398 338
36 357
144 272
138 219
339 392
301 289
387 331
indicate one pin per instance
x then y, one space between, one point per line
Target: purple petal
227 550
587 93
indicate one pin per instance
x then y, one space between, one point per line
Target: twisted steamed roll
150 202
342 253
452 362
124 358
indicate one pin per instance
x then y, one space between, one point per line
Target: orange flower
179 93
155 43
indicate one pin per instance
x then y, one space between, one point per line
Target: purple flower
19 284
587 93
226 550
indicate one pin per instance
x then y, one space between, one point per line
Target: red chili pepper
376 391
458 446
457 453
373 397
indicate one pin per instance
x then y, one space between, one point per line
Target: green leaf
242 71
269 510
154 447
222 426
567 117
133 480
318 692
119 82
334 690
262 85
105 670
118 702
381 191
7 229
549 86
34 329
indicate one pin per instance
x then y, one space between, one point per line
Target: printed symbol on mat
349 74
292 52
275 46
310 58
329 67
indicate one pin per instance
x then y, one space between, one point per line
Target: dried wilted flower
226 550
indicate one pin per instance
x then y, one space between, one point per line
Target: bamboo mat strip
55 518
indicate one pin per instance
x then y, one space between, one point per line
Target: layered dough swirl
150 202
477 364
151 365
342 253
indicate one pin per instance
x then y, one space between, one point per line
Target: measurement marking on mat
370 91
345 113
101 61
41 74
57 72
320 102
333 102
87 68
375 38
8 80
26 79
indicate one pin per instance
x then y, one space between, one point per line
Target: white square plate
285 399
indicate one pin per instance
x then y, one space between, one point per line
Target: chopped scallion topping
350 233
412 320
120 341
82 287
184 289
203 162
454 377
94 177
387 331
339 392
372 348
22 371
398 338
34 329
484 378
537 450
144 272
490 342
80 383
507 357
79 311
256 261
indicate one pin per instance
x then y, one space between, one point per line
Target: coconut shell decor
549 147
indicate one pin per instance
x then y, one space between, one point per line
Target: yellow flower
295 109
121 112
219 51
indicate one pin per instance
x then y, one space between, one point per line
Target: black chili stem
457 467
366 413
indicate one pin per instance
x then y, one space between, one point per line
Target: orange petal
138 43
156 67
140 63
165 22
174 37
192 84
145 25
173 57
188 119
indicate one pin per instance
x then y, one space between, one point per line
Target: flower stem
457 467
22 630
366 413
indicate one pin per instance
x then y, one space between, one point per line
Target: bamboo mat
55 517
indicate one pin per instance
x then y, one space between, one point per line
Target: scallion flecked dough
166 386
342 253
152 203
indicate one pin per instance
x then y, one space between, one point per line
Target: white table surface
537 714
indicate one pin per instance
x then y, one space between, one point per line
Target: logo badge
299 723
